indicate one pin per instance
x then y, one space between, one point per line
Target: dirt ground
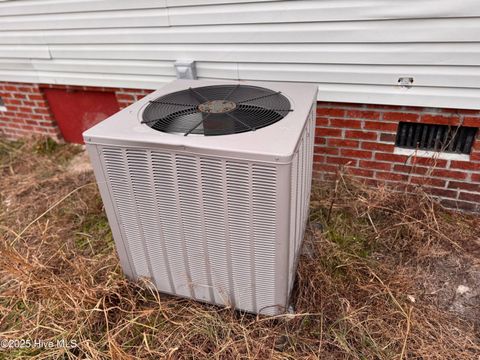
383 275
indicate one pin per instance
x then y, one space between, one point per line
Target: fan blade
176 113
197 125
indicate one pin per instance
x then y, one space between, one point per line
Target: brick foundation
27 111
126 97
358 138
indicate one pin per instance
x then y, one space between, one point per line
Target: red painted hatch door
77 111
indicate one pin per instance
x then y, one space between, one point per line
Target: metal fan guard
216 110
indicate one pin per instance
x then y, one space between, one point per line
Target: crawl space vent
432 137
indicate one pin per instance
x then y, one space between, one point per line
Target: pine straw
364 283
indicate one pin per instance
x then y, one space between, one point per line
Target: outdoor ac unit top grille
216 110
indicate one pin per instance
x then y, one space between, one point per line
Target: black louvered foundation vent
432 137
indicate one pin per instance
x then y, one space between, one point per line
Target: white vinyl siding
355 50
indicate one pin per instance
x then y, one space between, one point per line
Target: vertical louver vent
197 226
453 139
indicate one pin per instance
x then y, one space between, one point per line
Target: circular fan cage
216 110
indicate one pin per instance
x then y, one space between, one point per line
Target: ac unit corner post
221 218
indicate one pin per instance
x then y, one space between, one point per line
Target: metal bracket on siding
405 82
185 69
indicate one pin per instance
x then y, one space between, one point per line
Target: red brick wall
126 97
360 139
27 111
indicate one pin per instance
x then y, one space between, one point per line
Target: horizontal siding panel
354 49
104 19
24 51
369 94
441 76
109 80
154 68
19 76
326 10
86 79
174 3
212 70
16 64
388 31
442 54
35 7
194 12
244 13
68 6
217 70
426 76
389 95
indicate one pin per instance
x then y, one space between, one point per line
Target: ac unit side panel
282 236
309 169
301 180
309 140
294 208
110 209
203 227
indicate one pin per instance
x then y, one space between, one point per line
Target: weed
365 251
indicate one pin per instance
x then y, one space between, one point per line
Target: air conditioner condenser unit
206 186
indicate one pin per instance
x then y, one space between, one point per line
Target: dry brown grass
371 284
